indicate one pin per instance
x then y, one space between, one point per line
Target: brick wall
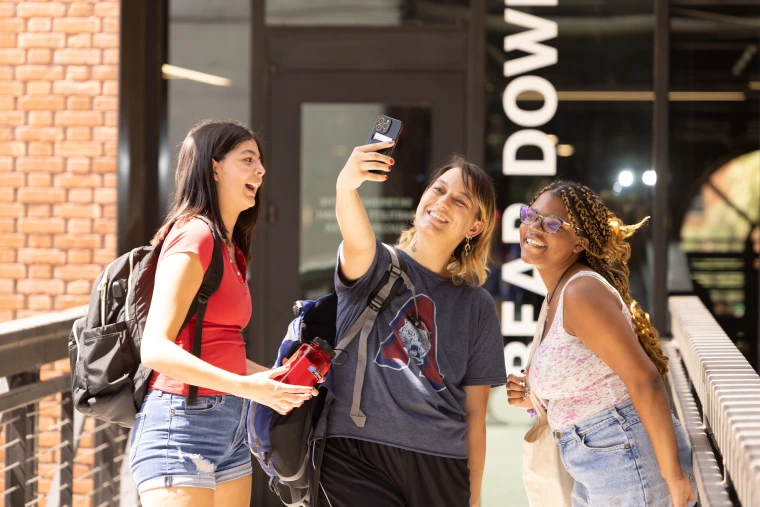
58 118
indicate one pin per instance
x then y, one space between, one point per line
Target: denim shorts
174 445
612 460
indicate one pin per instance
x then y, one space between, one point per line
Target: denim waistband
158 394
624 413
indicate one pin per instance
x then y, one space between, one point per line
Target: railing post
22 426
66 454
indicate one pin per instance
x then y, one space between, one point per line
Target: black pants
356 473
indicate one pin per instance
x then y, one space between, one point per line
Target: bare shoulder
588 297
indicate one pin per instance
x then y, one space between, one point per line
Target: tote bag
546 481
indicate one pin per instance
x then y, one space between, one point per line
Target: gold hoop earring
467 247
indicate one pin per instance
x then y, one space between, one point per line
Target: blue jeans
612 461
174 445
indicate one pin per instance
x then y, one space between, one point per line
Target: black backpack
108 381
284 445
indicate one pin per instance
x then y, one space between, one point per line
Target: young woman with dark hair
196 455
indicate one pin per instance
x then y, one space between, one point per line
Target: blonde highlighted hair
607 253
470 269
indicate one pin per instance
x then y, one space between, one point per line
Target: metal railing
717 396
52 455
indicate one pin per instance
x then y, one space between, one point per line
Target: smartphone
385 129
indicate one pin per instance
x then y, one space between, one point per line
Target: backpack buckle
396 270
375 304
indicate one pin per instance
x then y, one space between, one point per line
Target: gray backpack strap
378 301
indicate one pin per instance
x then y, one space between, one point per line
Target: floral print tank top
574 380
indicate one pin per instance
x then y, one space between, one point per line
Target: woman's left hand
680 491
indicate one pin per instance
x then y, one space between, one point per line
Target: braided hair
607 253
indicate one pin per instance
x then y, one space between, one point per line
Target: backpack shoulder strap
211 281
379 300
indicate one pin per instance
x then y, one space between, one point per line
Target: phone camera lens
386 126
380 120
378 127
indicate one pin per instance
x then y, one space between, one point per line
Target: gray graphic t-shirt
419 359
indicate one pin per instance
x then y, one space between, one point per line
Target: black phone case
387 127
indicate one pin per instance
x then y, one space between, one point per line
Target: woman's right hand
517 392
282 398
362 160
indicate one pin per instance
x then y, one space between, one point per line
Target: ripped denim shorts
173 445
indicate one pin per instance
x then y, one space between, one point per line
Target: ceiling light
625 178
649 177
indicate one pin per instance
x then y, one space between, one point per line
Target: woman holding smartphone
432 357
600 363
196 455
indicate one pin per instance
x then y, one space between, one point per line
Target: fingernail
386 177
392 143
393 161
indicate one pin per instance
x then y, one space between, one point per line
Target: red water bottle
310 364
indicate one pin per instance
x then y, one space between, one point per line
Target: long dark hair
196 189
607 253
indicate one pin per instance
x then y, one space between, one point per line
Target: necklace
549 296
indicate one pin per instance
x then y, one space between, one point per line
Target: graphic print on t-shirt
413 338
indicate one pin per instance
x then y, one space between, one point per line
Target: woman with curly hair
600 364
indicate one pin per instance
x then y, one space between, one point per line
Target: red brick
79 225
5 316
39 133
12 240
105 72
39 25
69 241
78 103
104 165
40 286
39 179
80 10
46 72
38 226
107 9
104 226
7 102
66 88
78 165
38 210
104 134
41 40
111 119
40 118
79 256
80 195
38 88
109 211
11 302
40 302
77 72
9 225
12 148
12 56
15 271
105 103
6 73
70 301
46 9
109 180
110 25
79 149
6 133
87 272
7 195
105 195
12 118
7 10
40 149
44 271
39 56
111 56
79 287
104 256
78 134
71 56
49 164
11 88
8 255
16 25
12 179
77 25
7 287
41 102
82 40
39 241
77 180
70 210
41 256
110 149
79 118
109 241
8 39
6 164
14 209
105 40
